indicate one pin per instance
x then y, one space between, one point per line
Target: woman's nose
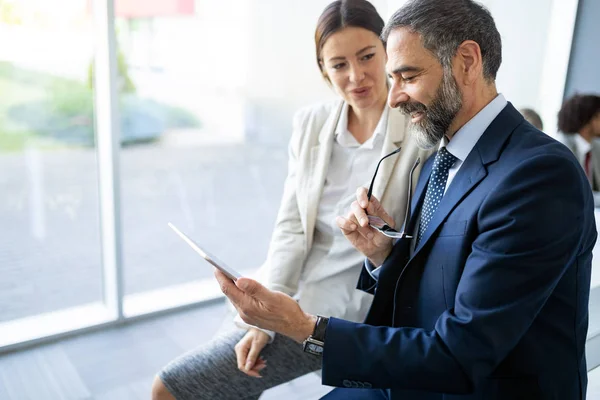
357 74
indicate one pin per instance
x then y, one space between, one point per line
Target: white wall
523 26
536 44
282 74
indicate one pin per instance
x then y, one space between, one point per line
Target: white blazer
329 291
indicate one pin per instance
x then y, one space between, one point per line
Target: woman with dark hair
334 149
579 122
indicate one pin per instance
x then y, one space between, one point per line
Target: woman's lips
361 92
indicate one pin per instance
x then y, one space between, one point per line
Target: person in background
579 126
335 148
532 117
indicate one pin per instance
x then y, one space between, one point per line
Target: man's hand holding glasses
355 226
368 226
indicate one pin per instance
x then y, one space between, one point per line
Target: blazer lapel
486 150
394 135
320 155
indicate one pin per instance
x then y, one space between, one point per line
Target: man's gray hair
445 24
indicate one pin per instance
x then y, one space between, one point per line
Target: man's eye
408 79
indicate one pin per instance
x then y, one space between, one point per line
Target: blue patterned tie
435 189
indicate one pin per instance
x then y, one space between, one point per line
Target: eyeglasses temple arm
409 200
370 192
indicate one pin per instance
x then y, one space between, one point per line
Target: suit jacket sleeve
530 228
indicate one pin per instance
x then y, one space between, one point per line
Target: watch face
314 348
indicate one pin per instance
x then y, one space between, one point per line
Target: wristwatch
315 342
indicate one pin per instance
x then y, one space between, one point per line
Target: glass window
49 232
207 105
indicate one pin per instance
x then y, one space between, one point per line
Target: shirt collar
582 145
466 137
345 138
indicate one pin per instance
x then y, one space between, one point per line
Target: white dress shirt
583 147
466 137
461 145
352 165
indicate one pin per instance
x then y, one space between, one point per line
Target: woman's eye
368 57
338 66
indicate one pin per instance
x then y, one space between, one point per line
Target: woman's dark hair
577 111
344 13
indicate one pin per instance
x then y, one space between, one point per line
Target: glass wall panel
50 256
207 98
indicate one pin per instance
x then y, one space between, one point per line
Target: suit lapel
469 175
320 155
394 135
487 150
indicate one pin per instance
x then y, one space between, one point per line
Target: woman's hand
248 350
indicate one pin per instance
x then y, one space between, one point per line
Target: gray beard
447 103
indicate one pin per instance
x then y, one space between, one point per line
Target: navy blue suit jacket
493 304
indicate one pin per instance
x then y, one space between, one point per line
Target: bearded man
487 296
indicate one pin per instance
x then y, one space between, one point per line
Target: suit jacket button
347 383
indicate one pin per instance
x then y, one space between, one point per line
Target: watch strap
320 328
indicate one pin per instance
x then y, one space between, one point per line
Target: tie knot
444 160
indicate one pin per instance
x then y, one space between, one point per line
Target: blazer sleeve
287 249
530 230
282 269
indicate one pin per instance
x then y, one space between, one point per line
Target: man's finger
229 289
361 197
252 288
375 208
345 225
350 226
360 214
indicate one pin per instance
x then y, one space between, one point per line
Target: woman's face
354 61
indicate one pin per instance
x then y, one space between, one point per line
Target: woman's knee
160 391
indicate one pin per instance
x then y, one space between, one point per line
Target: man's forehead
404 47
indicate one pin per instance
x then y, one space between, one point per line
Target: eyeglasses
379 224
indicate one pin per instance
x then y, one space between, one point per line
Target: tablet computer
220 265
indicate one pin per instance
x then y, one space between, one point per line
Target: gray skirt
210 371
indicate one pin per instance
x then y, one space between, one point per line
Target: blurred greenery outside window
55 110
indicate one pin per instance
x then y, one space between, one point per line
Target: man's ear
469 61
